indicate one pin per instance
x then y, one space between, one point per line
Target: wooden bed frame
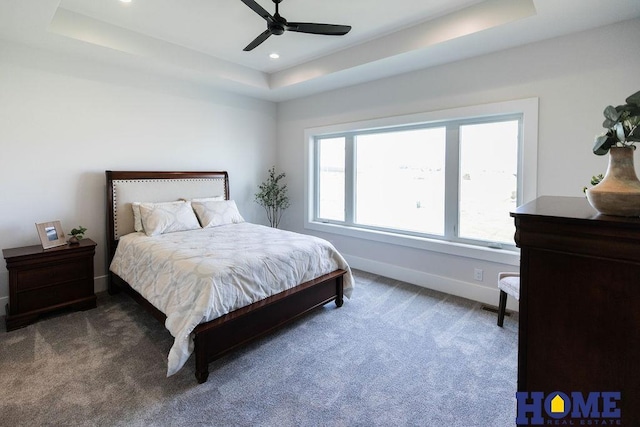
220 336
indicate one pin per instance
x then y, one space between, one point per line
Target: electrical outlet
477 274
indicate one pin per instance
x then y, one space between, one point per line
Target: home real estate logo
597 408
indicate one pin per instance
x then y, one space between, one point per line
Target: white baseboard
472 291
99 285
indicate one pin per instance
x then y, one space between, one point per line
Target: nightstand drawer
49 275
50 296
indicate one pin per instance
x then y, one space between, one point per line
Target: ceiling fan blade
311 28
259 10
257 41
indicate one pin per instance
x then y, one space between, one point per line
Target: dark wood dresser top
568 208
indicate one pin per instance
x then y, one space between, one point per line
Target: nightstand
44 280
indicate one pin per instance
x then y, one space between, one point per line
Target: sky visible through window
400 180
488 180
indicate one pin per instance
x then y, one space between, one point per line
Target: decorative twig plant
273 197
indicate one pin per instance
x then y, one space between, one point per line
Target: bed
231 282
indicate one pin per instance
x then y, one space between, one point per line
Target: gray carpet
393 355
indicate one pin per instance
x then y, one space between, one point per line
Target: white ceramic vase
619 192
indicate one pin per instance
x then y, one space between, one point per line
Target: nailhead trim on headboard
218 184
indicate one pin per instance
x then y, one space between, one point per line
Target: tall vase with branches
618 192
273 197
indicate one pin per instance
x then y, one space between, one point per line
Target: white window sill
502 256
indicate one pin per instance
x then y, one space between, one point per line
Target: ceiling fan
276 25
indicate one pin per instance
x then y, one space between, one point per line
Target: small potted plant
77 234
273 197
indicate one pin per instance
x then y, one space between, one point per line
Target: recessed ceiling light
274 56
125 1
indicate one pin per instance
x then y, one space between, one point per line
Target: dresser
579 324
44 280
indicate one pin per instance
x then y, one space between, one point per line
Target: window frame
524 109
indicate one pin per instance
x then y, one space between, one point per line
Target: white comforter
199 275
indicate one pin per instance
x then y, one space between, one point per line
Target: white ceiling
202 40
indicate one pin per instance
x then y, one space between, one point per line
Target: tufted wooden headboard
125 187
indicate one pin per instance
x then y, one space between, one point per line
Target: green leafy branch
622 124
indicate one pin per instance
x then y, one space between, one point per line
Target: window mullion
350 180
520 182
452 174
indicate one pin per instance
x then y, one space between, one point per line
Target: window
450 177
331 184
399 180
488 180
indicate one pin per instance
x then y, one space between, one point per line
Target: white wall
65 120
574 77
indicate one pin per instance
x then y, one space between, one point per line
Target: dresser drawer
48 275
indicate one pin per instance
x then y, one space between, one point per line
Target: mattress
199 275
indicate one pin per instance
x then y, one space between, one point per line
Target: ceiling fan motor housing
277 26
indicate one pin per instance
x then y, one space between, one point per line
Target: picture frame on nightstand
51 234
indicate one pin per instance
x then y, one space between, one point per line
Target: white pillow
137 220
168 217
217 212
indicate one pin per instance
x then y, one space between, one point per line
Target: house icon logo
557 405
574 408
